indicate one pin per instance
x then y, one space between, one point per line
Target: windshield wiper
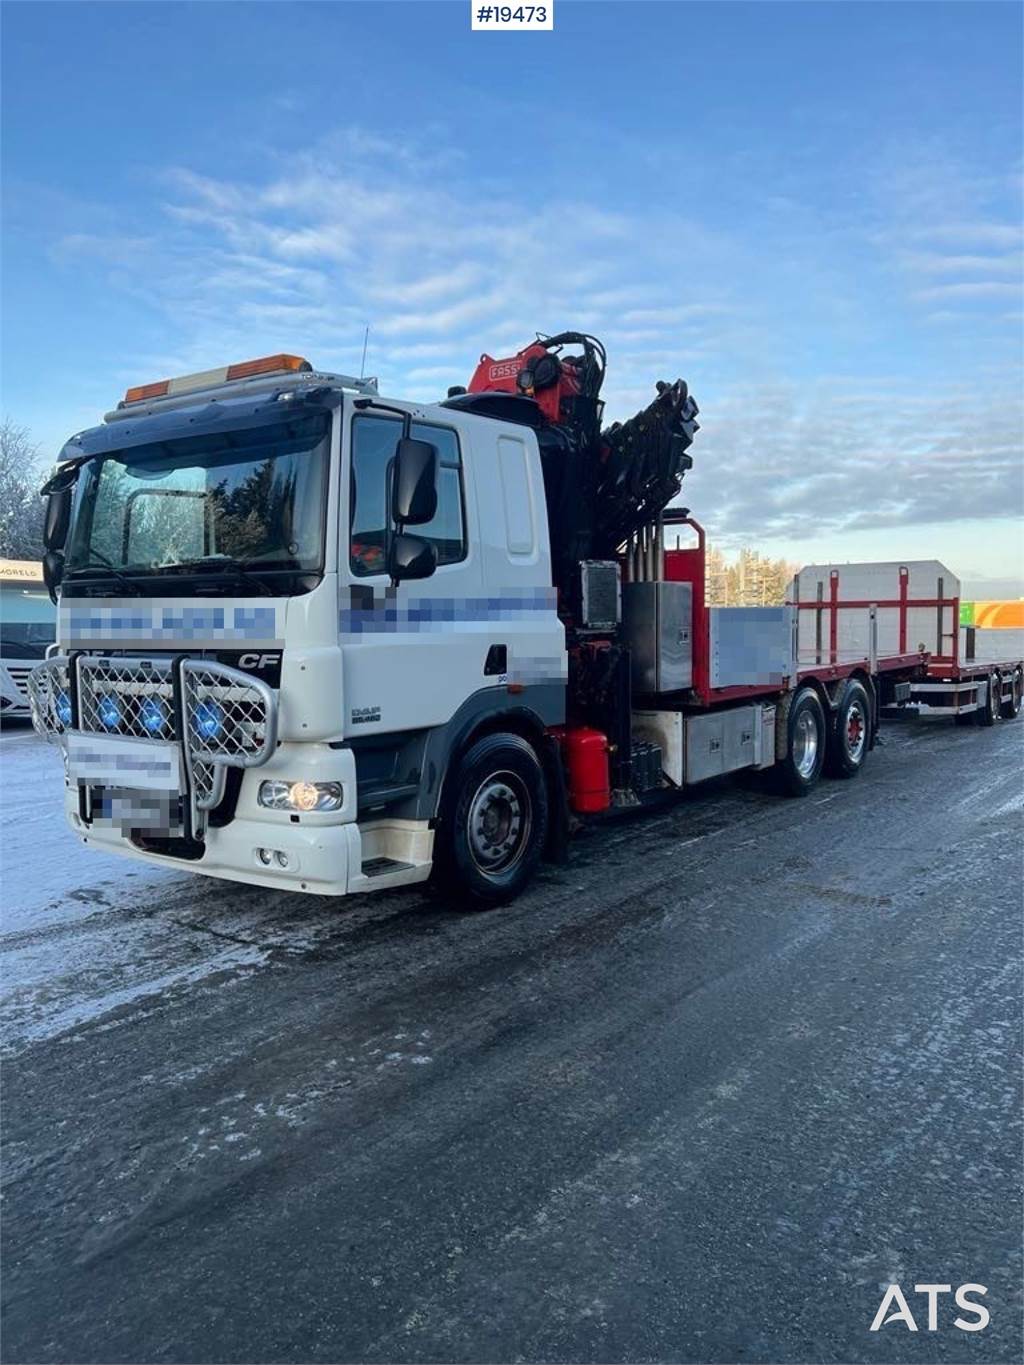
236 569
99 560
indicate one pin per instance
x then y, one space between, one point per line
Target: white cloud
967 234
430 288
828 460
669 316
935 263
970 289
363 231
915 190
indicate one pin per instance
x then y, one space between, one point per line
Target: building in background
28 621
1005 615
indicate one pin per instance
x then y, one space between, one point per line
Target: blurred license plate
113 761
131 811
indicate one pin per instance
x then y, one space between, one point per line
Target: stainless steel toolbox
657 623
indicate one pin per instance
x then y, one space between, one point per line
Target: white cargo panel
993 646
929 628
750 646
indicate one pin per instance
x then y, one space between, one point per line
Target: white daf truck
313 639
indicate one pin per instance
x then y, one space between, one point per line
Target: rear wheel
1010 708
798 772
850 735
495 822
988 712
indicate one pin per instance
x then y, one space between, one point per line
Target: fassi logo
508 369
894 1307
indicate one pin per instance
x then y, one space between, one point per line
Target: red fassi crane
627 473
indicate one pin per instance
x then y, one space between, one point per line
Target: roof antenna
362 365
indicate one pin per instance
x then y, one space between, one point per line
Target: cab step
381 867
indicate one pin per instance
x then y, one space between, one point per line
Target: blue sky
811 212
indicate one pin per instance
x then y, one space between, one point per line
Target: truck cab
288 611
27 628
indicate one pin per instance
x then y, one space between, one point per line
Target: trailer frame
936 684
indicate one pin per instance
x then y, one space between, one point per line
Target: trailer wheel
798 772
1010 708
850 734
492 834
988 713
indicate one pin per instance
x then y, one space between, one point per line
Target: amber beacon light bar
205 379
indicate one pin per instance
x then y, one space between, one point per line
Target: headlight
301 796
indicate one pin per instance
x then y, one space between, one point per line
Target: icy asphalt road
698 1096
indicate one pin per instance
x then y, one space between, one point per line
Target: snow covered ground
84 933
731 1053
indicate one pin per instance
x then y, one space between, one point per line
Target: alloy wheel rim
805 744
856 731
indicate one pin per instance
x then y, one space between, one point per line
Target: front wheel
495 822
850 735
799 771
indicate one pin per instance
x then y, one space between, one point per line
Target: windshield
27 621
244 501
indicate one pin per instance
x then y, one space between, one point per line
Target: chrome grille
19 677
229 717
126 697
207 783
49 696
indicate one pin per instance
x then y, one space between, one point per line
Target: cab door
412 653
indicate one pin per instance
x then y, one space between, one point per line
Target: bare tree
752 580
21 508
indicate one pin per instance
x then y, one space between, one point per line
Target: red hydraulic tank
586 754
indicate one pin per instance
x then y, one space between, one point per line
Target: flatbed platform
895 624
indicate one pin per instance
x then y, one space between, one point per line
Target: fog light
281 859
301 796
109 713
153 715
208 719
265 856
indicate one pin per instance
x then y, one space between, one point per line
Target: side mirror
53 572
411 557
58 518
414 489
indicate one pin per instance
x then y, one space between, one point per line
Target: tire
988 713
494 824
806 738
849 737
1010 708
